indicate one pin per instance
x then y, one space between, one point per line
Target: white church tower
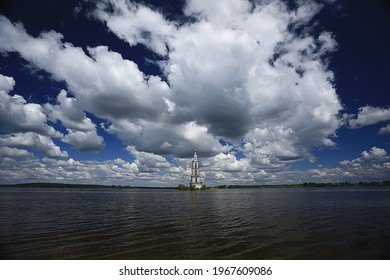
196 182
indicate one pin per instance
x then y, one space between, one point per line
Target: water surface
291 223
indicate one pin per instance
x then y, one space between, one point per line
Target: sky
121 92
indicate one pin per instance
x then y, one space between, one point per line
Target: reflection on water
310 223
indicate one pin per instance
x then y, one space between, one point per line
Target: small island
182 187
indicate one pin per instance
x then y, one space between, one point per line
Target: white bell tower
195 176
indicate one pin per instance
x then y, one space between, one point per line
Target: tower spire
195 176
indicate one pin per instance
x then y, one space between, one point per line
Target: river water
291 223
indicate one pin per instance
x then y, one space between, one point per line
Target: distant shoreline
93 186
303 185
73 186
309 184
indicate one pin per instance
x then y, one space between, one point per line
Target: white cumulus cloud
369 115
18 115
70 112
384 130
238 69
234 71
35 141
14 152
374 155
84 141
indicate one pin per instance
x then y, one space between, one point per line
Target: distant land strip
303 185
181 187
78 186
307 184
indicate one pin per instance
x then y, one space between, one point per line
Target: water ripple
323 223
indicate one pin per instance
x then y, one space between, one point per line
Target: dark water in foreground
309 223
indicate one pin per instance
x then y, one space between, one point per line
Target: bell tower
195 176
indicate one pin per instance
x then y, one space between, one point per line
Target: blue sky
122 92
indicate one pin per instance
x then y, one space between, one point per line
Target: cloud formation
82 134
369 115
232 72
374 155
17 115
236 69
246 84
35 141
